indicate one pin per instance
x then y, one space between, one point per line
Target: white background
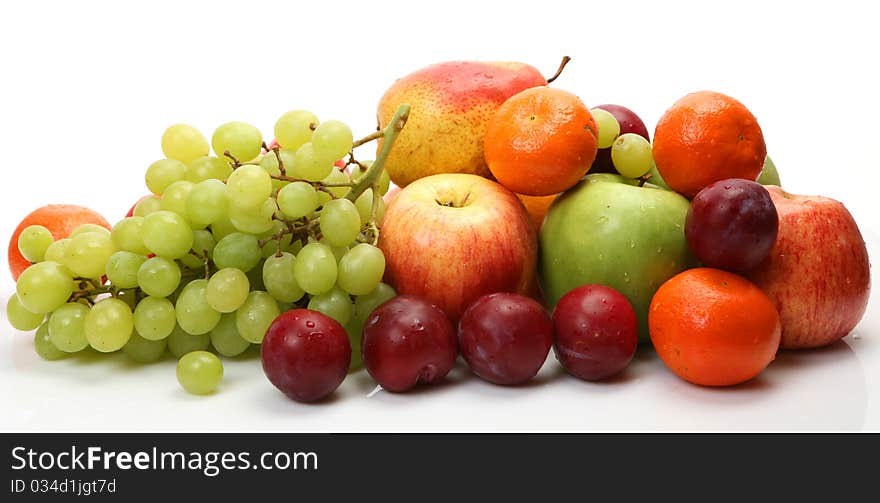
87 88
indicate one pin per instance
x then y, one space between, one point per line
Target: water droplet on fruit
659 250
632 243
310 324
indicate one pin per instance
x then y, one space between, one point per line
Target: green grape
108 325
44 347
227 290
126 235
87 228
175 197
361 269
226 339
57 251
384 182
315 268
199 372
279 279
242 140
609 128
237 250
206 202
335 304
222 228
143 350
364 204
44 287
308 166
269 162
19 317
184 143
208 168
332 140
336 177
154 318
158 276
67 327
194 315
88 253
122 269
297 200
147 205
33 242
295 128
167 234
256 314
203 242
248 186
181 343
363 307
338 251
163 173
253 220
340 222
632 155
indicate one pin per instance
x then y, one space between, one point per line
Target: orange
60 219
706 137
713 327
541 141
537 207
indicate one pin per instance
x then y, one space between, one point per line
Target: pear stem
565 60
389 134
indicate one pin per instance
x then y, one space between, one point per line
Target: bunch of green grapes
225 244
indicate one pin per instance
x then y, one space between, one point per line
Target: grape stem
235 162
389 135
375 135
275 150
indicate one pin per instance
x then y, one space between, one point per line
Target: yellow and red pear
452 104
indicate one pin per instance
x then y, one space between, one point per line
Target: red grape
596 332
306 354
732 224
406 341
505 337
629 123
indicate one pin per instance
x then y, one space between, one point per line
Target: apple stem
644 179
389 134
565 60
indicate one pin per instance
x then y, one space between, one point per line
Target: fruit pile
521 220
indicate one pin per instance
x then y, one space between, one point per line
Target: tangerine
60 219
705 137
537 207
713 327
541 141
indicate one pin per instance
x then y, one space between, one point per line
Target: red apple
452 238
130 211
391 194
817 273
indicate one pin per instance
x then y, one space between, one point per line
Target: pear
452 104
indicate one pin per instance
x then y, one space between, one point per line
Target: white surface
88 88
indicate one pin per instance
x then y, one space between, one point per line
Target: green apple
656 179
608 230
769 175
